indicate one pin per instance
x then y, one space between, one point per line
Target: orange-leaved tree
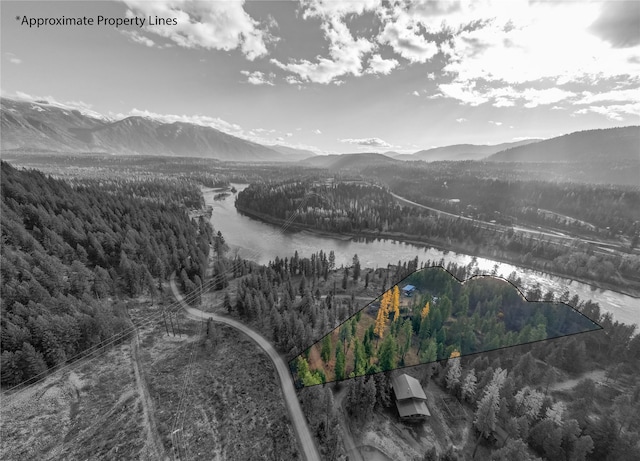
425 311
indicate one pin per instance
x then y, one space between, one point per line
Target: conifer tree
326 348
340 364
487 412
469 386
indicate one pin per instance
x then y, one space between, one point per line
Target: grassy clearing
233 407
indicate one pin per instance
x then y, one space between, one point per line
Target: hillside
44 126
67 250
463 151
620 144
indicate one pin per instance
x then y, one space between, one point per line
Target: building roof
409 288
407 387
411 407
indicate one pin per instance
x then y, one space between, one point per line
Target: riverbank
489 253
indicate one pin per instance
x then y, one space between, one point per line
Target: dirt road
305 439
351 449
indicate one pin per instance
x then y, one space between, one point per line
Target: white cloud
627 95
535 97
13 59
80 106
372 142
506 96
331 8
290 79
345 51
495 123
210 25
257 78
415 93
502 101
497 50
378 65
316 131
135 37
404 33
463 91
461 120
616 112
288 135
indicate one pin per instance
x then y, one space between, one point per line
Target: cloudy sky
340 76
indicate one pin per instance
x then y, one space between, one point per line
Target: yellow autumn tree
425 311
378 329
385 302
454 354
395 303
383 314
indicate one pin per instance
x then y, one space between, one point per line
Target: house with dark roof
411 400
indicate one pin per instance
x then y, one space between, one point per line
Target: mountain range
462 151
45 126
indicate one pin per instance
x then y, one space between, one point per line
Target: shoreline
405 238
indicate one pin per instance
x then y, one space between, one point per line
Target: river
262 242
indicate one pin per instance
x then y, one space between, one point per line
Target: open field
93 411
233 407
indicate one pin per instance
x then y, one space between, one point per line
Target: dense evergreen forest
296 301
441 319
371 210
591 209
70 252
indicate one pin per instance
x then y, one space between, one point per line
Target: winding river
262 242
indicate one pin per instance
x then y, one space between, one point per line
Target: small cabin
408 290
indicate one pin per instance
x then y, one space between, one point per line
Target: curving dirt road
305 439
